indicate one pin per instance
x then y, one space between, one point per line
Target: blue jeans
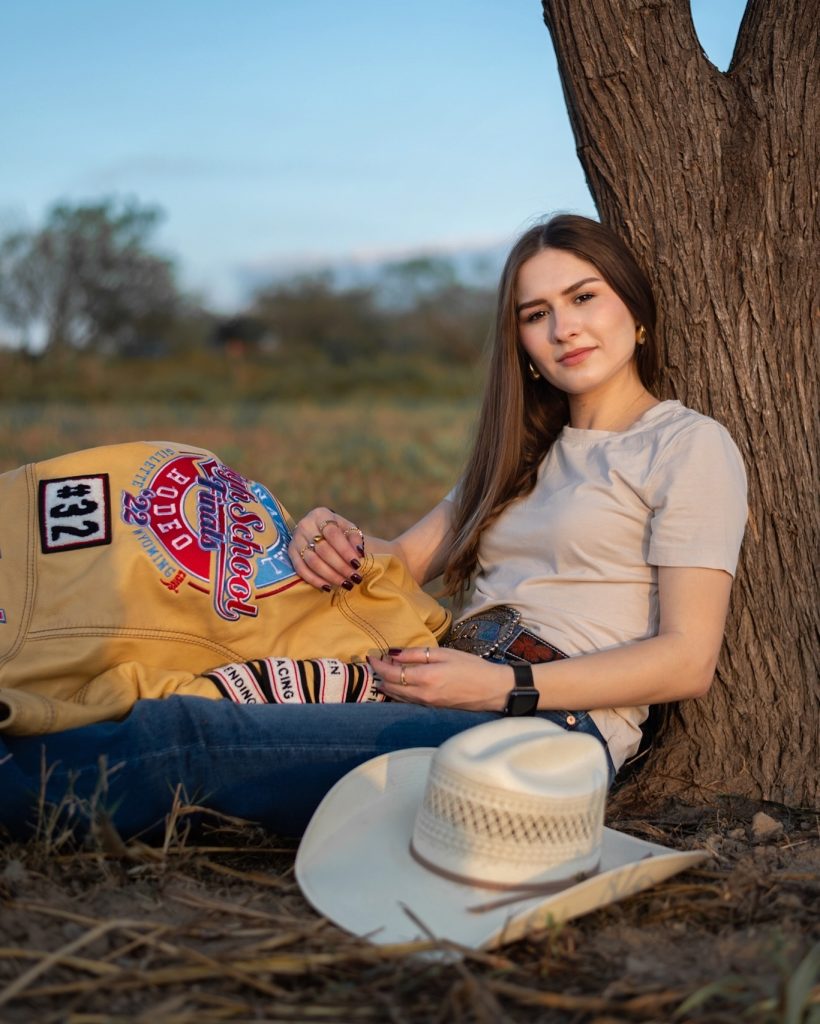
271 763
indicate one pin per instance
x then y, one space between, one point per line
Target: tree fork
712 178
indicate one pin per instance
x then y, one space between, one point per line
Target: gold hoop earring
640 337
534 374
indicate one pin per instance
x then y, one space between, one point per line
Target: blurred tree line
86 295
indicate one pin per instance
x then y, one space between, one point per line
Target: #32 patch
75 512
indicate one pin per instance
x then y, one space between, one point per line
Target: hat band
517 892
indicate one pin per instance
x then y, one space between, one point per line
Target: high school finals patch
494 835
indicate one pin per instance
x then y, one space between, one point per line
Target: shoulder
674 420
696 463
681 435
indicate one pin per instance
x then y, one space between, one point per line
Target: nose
564 324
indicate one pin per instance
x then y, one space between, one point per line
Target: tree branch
644 46
639 90
773 28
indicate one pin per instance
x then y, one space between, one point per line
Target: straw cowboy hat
495 834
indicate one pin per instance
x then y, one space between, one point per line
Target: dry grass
383 464
215 929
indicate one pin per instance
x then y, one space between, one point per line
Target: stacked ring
311 544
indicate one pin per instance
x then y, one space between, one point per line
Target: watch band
523 697
522 671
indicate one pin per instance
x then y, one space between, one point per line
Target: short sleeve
697 493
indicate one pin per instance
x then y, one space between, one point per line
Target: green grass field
382 464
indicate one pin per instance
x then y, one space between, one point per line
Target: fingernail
355 564
392 651
360 549
327 588
355 578
347 585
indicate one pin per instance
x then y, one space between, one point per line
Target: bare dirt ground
215 929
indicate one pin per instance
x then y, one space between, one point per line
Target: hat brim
355 867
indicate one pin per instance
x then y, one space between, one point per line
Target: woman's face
574 327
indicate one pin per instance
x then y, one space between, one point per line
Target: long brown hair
520 417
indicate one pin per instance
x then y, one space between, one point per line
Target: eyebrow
567 291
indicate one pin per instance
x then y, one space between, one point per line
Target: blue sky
277 134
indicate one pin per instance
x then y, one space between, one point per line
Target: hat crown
513 803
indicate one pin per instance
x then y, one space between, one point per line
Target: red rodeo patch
75 512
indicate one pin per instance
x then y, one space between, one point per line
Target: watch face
522 702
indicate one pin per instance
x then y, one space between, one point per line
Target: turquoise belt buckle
484 633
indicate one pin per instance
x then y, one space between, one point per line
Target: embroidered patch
75 512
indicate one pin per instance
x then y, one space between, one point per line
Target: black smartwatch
523 697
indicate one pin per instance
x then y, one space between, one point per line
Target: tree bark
713 177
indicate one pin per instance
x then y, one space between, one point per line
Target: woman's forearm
646 672
654 671
677 664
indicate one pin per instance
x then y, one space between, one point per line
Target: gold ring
304 549
317 539
353 529
402 675
323 524
427 654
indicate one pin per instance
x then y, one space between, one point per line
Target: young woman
610 520
594 534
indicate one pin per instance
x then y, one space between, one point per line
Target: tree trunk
713 180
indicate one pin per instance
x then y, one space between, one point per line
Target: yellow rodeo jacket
132 571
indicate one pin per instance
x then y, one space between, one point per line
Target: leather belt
497 631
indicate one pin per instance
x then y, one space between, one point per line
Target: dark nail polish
347 585
360 549
355 578
327 588
354 563
392 651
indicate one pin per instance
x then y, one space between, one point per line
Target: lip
577 355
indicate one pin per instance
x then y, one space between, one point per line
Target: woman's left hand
443 678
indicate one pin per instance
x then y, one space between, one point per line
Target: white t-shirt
578 556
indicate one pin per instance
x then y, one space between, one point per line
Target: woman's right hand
326 550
